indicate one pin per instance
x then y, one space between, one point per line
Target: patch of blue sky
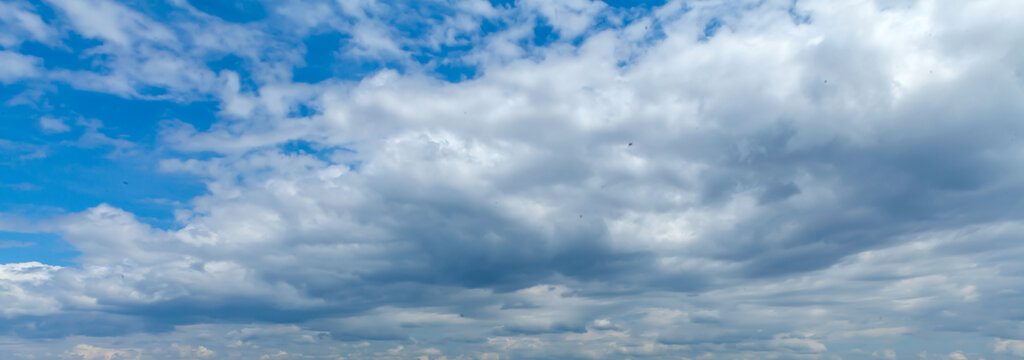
238 65
444 59
488 26
41 8
17 120
71 55
333 56
798 17
132 119
327 53
73 179
301 110
455 71
317 150
326 59
502 3
48 249
710 28
79 168
543 33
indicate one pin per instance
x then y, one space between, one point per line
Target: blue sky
470 179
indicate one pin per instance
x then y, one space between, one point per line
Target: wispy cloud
7 244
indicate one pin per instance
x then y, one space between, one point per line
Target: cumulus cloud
726 180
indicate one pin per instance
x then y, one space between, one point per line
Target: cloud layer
537 179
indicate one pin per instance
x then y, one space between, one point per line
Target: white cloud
956 355
5 244
17 20
33 272
1015 347
15 66
886 354
569 17
89 352
53 125
877 332
800 345
22 289
187 351
112 21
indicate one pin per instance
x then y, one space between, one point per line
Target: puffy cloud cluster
768 179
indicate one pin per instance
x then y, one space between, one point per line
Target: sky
527 179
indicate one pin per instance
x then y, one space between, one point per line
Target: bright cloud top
506 180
